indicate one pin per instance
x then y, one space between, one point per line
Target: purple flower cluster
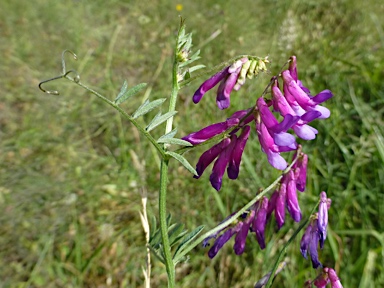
316 231
286 194
227 153
295 105
297 108
254 221
228 78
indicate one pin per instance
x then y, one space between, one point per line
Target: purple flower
209 84
292 202
296 95
309 243
272 134
208 156
321 281
328 275
269 147
322 221
225 88
224 238
260 221
316 231
280 205
335 281
276 129
210 131
241 236
227 78
234 163
304 243
301 128
221 163
228 152
206 240
272 203
313 246
300 169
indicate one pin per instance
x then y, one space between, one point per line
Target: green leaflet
126 93
187 239
174 141
175 233
196 67
168 135
158 119
147 106
183 161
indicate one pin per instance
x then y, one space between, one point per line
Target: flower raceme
295 105
253 221
297 108
259 214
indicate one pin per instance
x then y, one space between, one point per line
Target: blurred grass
68 191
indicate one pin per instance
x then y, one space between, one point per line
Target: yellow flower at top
179 7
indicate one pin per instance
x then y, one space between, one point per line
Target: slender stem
125 115
169 264
163 223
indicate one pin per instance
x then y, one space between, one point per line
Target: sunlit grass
69 193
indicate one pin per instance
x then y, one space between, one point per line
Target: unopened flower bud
182 55
251 70
261 65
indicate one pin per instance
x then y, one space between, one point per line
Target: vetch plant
276 113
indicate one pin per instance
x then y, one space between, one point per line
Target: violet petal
208 156
209 84
234 164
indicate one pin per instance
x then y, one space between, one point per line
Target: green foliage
147 106
126 93
70 194
159 119
183 161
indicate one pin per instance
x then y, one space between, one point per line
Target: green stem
169 264
163 223
125 115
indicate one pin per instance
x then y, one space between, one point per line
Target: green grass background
70 193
